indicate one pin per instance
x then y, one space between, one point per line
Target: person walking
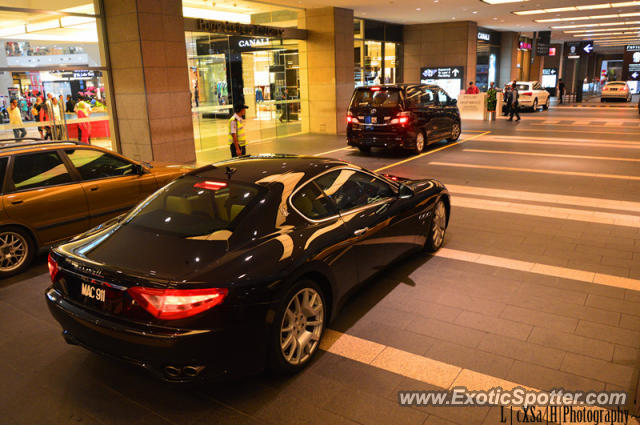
472 89
56 113
45 116
514 102
35 111
15 119
70 106
561 89
237 137
84 126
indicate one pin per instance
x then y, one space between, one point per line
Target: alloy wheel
439 224
420 142
455 131
13 251
302 326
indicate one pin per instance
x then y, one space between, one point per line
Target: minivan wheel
420 142
16 251
297 328
455 132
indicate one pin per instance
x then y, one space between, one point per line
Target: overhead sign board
631 63
450 78
576 49
543 42
484 36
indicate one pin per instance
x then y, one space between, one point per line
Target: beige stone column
145 40
509 42
440 44
330 74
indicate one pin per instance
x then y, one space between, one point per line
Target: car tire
437 227
455 132
534 108
365 149
546 105
17 250
421 142
291 324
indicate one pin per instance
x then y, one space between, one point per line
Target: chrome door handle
360 231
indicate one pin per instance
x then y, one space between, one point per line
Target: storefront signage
631 64
253 42
552 51
85 73
237 28
525 46
484 36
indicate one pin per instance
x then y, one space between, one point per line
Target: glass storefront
488 58
377 52
56 55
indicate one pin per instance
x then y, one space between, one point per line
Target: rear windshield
372 97
191 207
617 83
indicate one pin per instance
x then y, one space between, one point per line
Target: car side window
352 189
428 97
413 96
536 86
311 202
93 164
39 170
3 170
443 99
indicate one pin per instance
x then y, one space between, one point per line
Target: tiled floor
538 285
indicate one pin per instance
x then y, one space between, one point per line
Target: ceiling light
576 8
70 21
418 9
503 1
591 25
216 15
43 26
585 18
8 32
591 31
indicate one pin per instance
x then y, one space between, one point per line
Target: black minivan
408 116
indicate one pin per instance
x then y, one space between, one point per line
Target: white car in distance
616 90
532 95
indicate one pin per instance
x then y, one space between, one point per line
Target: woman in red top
472 89
44 116
84 128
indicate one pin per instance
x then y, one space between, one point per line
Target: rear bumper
618 95
382 139
213 353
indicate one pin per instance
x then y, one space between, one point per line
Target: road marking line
328 152
535 170
433 151
421 368
582 201
553 155
560 139
587 216
630 133
538 268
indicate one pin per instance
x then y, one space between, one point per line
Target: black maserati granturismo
239 265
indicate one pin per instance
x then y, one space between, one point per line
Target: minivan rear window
376 97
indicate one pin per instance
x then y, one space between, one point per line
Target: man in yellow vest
237 137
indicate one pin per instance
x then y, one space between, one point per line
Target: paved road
538 284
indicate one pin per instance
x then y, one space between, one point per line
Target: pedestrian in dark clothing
561 89
71 105
515 104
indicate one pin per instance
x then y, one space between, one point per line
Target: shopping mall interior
319 212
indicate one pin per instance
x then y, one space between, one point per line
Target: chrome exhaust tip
172 371
192 371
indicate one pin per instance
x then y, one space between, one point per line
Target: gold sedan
50 191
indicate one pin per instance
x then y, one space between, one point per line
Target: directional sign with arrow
588 47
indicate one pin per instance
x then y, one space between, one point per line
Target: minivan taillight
402 118
351 119
53 268
173 304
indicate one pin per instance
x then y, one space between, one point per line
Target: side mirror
405 192
453 102
138 169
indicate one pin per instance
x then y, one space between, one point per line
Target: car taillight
528 93
173 304
402 118
351 119
210 185
624 88
53 268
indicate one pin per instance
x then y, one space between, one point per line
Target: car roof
268 168
396 85
10 146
